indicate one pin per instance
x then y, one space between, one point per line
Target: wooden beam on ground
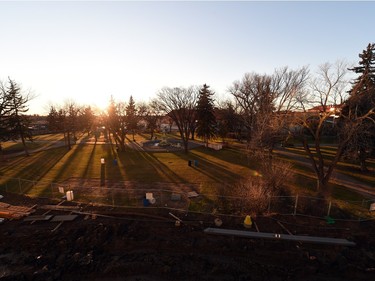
49 210
38 218
256 226
59 208
273 236
283 227
64 218
53 230
14 212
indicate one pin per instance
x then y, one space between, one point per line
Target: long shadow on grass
164 169
74 154
145 167
216 172
112 168
229 155
89 162
41 164
36 165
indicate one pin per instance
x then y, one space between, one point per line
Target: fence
191 202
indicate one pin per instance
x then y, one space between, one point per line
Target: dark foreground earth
145 244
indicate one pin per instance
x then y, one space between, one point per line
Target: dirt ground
146 244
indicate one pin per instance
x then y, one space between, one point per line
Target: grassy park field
209 169
84 161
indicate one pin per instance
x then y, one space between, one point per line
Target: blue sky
88 51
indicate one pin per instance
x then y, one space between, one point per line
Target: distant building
334 108
38 124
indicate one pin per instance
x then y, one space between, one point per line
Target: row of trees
268 109
70 119
290 103
265 108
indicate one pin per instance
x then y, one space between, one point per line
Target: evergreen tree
87 119
116 122
4 115
131 117
18 123
206 121
228 121
55 123
360 102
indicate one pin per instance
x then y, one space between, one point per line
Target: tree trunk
364 168
24 145
1 152
362 160
68 139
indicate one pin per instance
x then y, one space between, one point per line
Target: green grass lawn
213 169
39 141
83 161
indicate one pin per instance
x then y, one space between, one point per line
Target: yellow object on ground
247 222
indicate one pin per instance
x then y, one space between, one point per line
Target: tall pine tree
360 102
206 121
18 122
131 117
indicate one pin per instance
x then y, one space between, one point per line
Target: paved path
337 177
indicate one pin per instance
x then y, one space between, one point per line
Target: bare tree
288 85
87 120
265 100
150 113
327 92
257 190
287 90
228 120
69 116
179 104
116 122
252 94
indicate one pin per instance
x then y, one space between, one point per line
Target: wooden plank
53 230
256 226
64 218
283 227
50 210
297 238
5 214
38 218
58 207
13 211
4 205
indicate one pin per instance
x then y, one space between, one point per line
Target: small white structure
215 146
150 198
69 195
61 189
102 160
192 194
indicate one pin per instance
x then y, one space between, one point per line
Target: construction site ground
102 243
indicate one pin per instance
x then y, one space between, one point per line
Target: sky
87 51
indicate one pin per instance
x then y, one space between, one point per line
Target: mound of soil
145 244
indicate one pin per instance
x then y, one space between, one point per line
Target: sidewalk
337 177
